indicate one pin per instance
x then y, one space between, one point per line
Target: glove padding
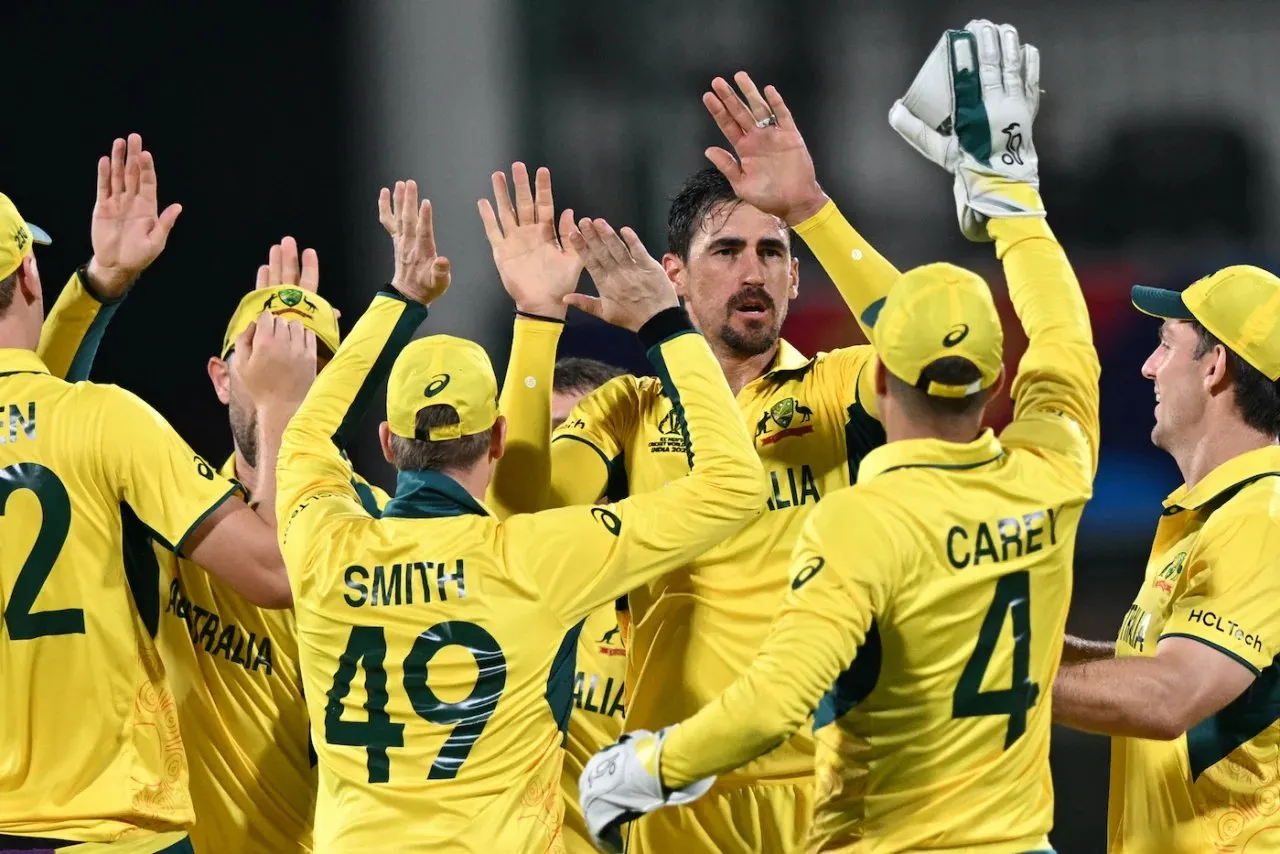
622 783
970 110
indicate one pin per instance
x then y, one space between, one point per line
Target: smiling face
739 278
1177 370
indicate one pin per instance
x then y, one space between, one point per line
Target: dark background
1157 136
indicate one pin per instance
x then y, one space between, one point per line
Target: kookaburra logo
1013 145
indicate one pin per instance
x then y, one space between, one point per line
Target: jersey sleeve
584 448
859 272
73 330
583 557
314 483
166 484
823 620
1232 596
1055 392
522 477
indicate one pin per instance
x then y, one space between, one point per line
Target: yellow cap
441 369
933 312
1240 305
291 303
16 237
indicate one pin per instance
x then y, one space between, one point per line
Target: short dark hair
1257 397
8 287
438 454
699 196
578 374
950 370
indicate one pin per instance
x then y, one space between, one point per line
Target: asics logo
957 334
810 569
437 385
1013 145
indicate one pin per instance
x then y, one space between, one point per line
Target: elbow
274 592
1166 725
747 491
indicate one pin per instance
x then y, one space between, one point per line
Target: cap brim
39 235
872 314
1158 302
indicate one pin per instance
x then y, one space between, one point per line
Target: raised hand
126 232
421 275
536 269
283 268
773 170
633 287
275 361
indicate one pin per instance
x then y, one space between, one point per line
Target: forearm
1076 650
273 418
521 478
73 329
860 273
798 663
1131 697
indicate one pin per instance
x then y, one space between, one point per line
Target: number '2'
19 620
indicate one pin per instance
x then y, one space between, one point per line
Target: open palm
536 269
773 170
127 231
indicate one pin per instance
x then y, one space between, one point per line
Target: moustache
748 296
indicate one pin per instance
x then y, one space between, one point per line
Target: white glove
621 783
970 110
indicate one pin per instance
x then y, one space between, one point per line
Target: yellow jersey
1213 576
812 420
927 605
238 685
436 642
87 474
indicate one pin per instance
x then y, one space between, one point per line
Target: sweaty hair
8 287
700 195
951 370
1257 397
438 454
585 375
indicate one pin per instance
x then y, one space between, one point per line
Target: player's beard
244 430
760 333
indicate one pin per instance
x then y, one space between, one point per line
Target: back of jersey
438 683
938 735
92 751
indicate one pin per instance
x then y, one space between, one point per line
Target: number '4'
1013 597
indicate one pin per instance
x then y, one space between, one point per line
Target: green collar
429 495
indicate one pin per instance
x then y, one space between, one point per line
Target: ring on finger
770 121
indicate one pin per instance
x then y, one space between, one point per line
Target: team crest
781 416
289 299
1168 576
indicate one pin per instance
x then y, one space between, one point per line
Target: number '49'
367 646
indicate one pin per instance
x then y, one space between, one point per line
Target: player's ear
29 280
220 376
997 386
674 266
795 279
882 379
384 441
498 439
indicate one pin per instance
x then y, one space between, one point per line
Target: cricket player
539 271
93 759
437 641
926 608
1189 692
813 419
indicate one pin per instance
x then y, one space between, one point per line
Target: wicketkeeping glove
621 783
970 110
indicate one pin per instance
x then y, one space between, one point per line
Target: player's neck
474 480
740 370
17 334
245 472
1218 444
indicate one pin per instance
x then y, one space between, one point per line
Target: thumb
440 273
919 135
725 162
591 305
164 224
